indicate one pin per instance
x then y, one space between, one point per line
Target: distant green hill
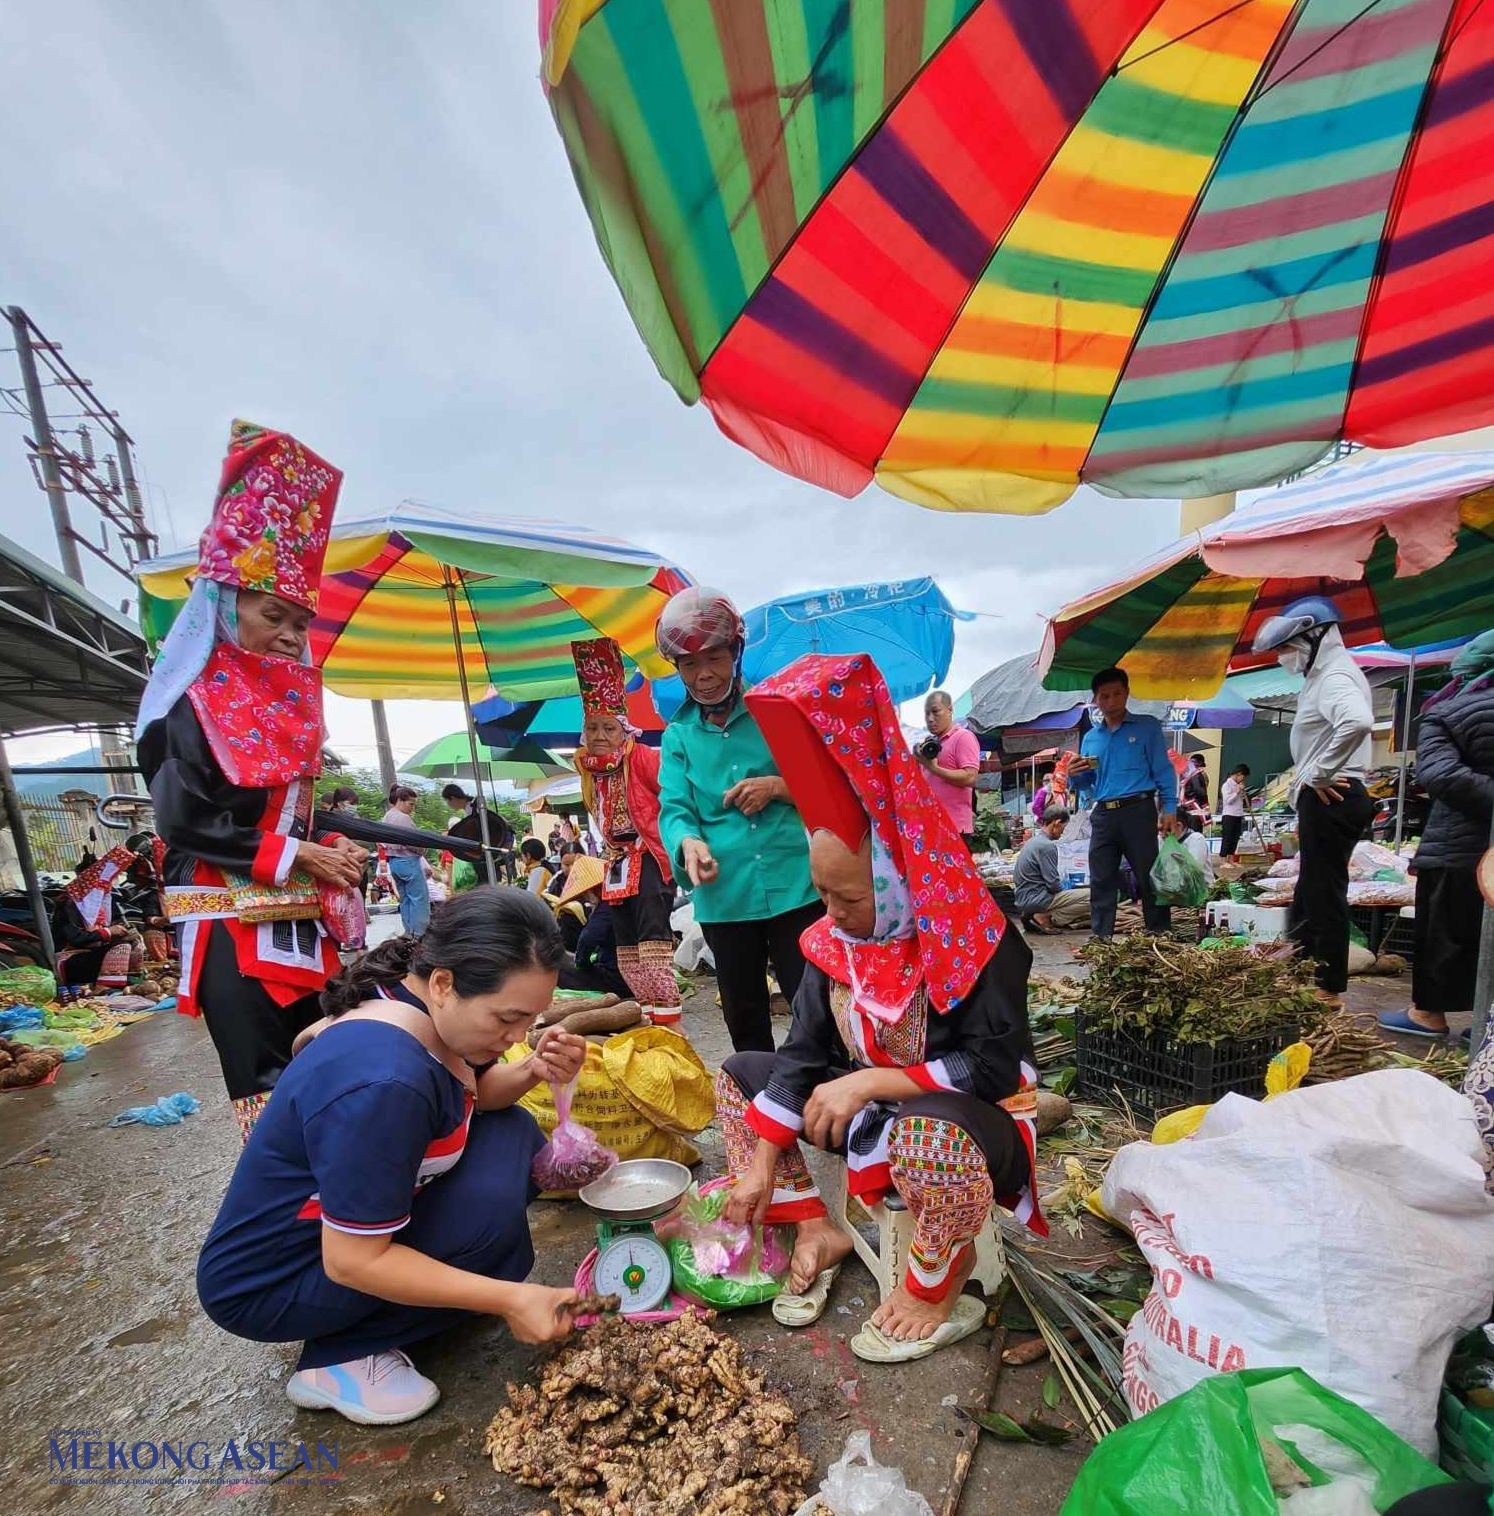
44 787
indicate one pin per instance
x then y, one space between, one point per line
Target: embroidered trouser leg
796 1197
950 1154
645 944
247 1110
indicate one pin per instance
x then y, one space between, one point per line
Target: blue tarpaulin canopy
907 626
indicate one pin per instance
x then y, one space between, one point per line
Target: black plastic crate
1157 1074
1385 929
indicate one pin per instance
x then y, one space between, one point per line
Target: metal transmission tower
88 460
79 452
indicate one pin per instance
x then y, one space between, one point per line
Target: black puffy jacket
1455 765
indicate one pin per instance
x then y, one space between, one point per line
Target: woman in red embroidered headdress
909 1052
620 784
97 944
230 739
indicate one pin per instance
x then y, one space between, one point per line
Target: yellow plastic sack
663 1077
641 1092
1284 1072
1180 1124
1287 1069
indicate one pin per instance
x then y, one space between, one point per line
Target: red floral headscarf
835 735
92 889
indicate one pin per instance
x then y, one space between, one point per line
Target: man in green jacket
727 821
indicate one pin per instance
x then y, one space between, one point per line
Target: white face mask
1294 660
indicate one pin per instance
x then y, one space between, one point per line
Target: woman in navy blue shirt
382 1195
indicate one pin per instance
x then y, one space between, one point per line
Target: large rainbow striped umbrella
1404 545
984 250
520 591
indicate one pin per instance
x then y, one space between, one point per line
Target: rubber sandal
1401 1023
806 1309
872 1345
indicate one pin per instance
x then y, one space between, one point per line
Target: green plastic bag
716 1263
28 986
1201 1452
1176 878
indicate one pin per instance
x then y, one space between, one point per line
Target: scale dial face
636 1268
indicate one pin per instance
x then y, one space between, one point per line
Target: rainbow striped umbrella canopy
523 591
1404 545
984 250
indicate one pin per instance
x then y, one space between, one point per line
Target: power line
65 463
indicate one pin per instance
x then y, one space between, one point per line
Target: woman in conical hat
620 784
230 741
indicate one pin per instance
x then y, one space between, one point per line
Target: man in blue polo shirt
1123 761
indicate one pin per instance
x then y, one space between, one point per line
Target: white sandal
875 1346
806 1309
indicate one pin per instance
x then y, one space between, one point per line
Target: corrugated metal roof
66 657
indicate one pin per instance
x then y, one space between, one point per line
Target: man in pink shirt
953 772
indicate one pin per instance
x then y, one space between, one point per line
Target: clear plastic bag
857 1485
717 1262
573 1157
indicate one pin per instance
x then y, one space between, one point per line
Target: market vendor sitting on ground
96 945
953 773
909 1052
1123 763
727 821
382 1195
1037 884
593 963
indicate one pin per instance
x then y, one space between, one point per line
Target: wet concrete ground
100 1331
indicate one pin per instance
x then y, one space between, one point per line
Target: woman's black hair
454 792
481 936
533 848
1241 768
401 792
570 849
342 794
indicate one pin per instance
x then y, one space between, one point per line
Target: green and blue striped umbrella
985 250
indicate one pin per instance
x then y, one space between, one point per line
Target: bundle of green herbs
1144 984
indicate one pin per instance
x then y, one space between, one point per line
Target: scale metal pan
637 1189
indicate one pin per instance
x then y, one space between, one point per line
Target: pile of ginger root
663 1420
21 1065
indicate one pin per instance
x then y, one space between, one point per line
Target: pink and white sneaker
382 1390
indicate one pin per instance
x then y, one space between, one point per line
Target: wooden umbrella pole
461 662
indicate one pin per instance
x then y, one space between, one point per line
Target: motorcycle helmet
696 620
1307 619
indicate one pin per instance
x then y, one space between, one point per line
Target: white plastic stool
888 1261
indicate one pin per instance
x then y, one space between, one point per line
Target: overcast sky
357 223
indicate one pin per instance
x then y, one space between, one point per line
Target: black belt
1124 801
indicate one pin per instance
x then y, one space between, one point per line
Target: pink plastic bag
573 1157
343 915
